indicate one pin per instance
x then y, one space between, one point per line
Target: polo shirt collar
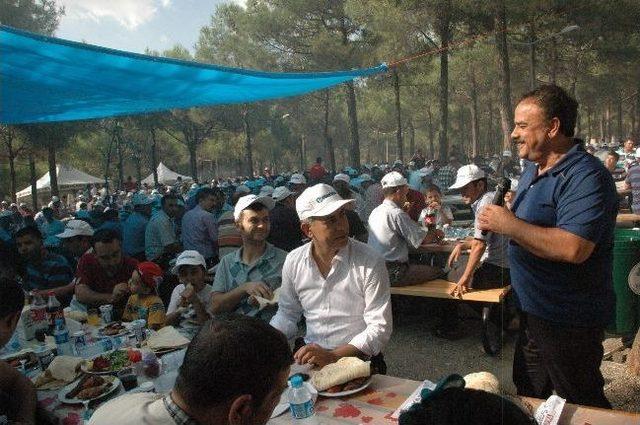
572 156
268 254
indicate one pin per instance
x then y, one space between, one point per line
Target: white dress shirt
391 230
351 306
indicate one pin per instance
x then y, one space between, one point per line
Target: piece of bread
483 381
340 372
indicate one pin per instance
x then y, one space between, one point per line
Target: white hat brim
328 209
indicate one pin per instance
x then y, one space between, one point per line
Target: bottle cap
296 381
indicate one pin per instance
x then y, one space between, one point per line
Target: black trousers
553 357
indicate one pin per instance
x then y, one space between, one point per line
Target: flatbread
264 303
62 371
167 337
483 381
340 372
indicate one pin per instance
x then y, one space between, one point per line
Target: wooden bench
492 338
627 220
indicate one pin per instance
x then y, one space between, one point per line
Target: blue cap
296 381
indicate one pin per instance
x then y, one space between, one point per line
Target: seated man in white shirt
391 231
340 285
234 372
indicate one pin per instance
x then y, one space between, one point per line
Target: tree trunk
303 153
506 109
532 57
608 122
107 165
475 125
328 140
589 126
120 161
192 147
444 32
34 180
554 60
619 129
491 139
412 137
247 145
154 157
138 171
396 90
12 175
602 127
432 148
354 151
53 171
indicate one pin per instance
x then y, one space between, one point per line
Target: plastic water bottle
300 401
61 335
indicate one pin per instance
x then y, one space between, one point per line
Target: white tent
166 176
69 179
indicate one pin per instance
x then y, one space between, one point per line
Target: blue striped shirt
51 272
633 179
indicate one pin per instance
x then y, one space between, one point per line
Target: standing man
392 231
161 242
561 252
199 226
339 285
135 226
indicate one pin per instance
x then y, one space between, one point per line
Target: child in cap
191 299
144 303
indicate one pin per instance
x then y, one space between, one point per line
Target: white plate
346 393
123 332
283 404
62 395
83 365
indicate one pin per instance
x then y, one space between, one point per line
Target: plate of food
111 362
347 376
88 388
113 329
29 357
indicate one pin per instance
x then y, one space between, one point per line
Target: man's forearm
87 296
549 243
347 350
477 249
227 301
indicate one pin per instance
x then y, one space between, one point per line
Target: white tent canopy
69 178
166 176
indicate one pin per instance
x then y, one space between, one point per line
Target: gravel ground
414 353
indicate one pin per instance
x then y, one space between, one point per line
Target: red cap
150 273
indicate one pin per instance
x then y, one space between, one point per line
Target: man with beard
103 275
339 285
254 271
44 271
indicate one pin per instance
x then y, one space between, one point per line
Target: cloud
128 13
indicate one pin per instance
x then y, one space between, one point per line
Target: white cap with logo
342 177
466 175
280 193
189 258
319 201
297 178
76 228
393 179
247 200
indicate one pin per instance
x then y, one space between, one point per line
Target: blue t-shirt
133 231
577 195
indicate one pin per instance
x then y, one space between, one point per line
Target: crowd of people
312 256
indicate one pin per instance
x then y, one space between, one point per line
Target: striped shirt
53 271
229 239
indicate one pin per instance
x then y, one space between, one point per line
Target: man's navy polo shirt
577 195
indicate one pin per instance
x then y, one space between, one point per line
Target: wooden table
492 338
376 404
627 220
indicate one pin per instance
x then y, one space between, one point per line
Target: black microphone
503 186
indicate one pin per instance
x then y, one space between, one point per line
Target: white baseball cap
281 193
247 200
189 258
243 188
466 175
297 178
266 191
76 228
393 179
141 199
342 177
319 201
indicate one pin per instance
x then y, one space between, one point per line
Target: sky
134 25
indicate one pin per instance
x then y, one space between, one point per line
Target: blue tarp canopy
46 79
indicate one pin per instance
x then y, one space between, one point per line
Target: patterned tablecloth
373 405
